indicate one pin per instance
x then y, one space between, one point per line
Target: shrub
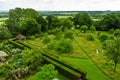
32 58
47 72
64 46
5 33
68 34
54 31
46 39
58 35
112 37
92 28
103 37
84 28
5 70
32 37
111 31
117 32
90 37
52 45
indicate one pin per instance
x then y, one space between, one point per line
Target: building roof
20 37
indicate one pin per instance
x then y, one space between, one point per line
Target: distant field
59 16
2 20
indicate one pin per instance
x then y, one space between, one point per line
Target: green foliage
16 44
49 21
112 48
17 16
90 37
47 72
52 45
83 19
92 28
61 46
111 37
84 28
55 23
43 23
64 46
4 33
32 37
69 34
103 37
111 31
32 58
5 70
31 27
117 32
46 39
110 21
66 24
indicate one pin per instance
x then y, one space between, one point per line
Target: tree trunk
115 66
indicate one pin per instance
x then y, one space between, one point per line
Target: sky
62 5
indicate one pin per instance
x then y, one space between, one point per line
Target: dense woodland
86 35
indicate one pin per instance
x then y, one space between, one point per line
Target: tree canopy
17 16
82 19
112 48
110 21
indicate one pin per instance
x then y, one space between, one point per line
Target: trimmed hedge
69 73
17 44
25 44
56 58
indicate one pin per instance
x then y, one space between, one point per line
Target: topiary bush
4 33
69 34
52 45
92 28
46 39
64 46
117 32
90 37
111 31
84 28
47 72
32 58
5 70
103 37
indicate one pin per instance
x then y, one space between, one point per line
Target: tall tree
112 48
4 33
16 16
76 19
49 21
110 21
83 19
43 23
31 27
55 23
66 24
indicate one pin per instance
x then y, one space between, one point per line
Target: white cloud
61 4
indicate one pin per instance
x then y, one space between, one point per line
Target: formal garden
33 47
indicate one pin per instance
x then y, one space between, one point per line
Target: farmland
2 20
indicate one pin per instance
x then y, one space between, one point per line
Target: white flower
55 79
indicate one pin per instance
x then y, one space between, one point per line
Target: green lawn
99 59
93 72
84 57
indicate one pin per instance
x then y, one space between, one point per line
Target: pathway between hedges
93 71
